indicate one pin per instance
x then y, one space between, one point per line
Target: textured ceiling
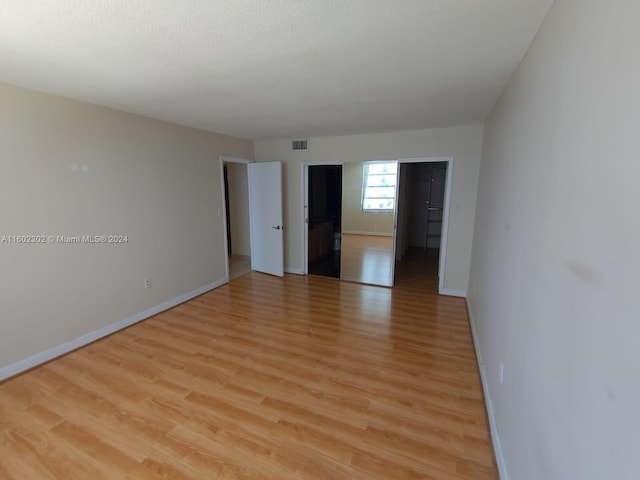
273 68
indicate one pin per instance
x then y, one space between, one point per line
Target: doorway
236 203
324 225
421 221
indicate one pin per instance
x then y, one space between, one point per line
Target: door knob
277 227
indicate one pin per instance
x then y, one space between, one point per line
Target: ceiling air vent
299 144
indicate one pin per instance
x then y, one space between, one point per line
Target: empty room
341 239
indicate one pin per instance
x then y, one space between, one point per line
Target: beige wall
155 182
354 220
239 208
464 144
554 284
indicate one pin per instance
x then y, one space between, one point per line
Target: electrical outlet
501 371
147 283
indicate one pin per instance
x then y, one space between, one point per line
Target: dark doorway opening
420 219
226 201
325 220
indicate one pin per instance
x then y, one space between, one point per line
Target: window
379 186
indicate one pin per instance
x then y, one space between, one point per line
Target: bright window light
379 186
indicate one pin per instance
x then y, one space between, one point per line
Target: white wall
239 208
554 283
155 182
462 143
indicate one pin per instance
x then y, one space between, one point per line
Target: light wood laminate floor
264 378
238 265
367 259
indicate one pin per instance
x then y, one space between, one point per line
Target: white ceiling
273 68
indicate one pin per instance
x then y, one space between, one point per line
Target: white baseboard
495 436
373 234
42 357
295 271
452 293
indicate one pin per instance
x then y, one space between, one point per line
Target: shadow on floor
418 269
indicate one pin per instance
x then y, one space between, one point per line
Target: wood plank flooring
264 378
418 269
367 259
239 265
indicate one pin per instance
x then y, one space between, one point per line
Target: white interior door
265 217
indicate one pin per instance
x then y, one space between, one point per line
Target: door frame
305 208
445 213
225 159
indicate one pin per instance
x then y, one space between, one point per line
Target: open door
265 217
